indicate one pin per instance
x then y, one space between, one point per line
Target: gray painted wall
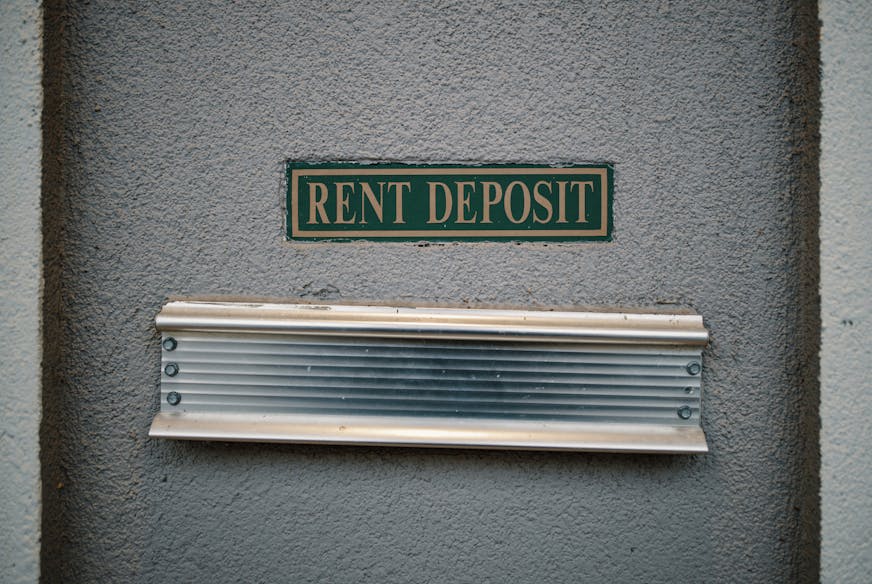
846 279
170 125
20 287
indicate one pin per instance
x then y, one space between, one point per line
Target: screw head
171 369
693 368
684 412
169 344
174 398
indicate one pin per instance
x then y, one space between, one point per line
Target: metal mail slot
450 377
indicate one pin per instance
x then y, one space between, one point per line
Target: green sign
346 201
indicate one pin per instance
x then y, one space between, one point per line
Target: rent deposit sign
347 201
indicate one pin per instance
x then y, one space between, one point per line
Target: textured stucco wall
20 287
175 119
846 281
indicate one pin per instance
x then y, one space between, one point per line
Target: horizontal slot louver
478 378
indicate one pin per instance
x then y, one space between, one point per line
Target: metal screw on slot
693 368
684 412
174 398
171 369
169 344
